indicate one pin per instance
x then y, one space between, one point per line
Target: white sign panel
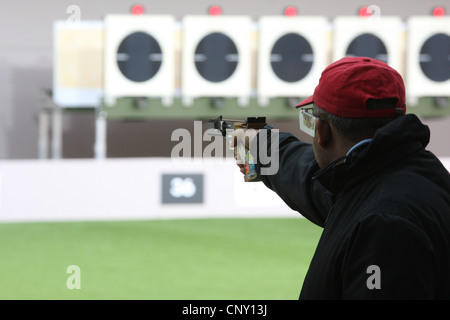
78 63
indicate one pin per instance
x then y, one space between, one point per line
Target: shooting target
428 58
292 53
216 57
378 37
434 57
139 57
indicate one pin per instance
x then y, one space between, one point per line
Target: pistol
223 127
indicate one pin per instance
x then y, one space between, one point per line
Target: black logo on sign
182 188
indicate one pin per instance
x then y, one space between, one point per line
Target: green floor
173 259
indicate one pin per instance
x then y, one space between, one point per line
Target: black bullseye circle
216 57
368 45
139 57
291 57
435 57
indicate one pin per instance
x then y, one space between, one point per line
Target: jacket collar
390 146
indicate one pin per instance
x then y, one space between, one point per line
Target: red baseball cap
347 84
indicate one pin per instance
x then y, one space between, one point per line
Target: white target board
292 53
377 37
139 57
428 57
216 57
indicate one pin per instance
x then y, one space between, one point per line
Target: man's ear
323 132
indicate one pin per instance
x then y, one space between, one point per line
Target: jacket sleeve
291 176
388 257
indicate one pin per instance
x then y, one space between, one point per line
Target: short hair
357 129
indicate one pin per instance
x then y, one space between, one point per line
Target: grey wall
26 68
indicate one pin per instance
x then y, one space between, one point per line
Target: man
382 199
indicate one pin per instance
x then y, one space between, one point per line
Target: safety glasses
307 120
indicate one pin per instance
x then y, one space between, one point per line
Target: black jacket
385 214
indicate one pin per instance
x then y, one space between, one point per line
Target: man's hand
242 134
242 138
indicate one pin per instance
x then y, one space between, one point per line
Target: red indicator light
438 12
137 10
290 11
215 11
365 12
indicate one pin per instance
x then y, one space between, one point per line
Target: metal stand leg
57 133
50 127
100 135
43 133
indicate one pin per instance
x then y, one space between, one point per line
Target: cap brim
305 102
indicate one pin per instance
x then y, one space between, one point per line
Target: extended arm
292 181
